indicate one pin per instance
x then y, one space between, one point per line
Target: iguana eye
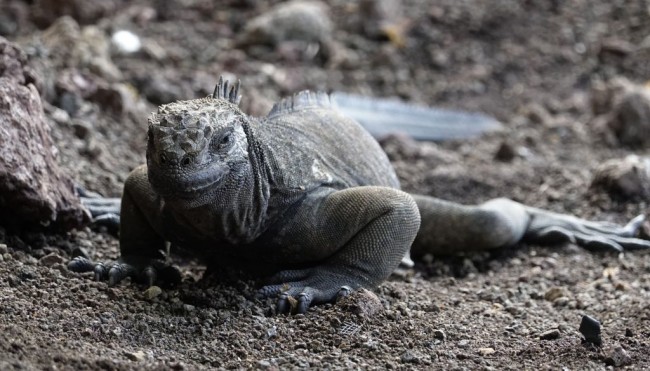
225 141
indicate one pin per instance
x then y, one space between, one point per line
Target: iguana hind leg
361 234
449 228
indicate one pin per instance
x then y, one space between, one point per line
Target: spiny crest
221 91
300 101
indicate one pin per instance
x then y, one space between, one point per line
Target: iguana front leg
449 228
141 245
353 238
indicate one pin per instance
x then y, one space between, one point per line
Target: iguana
305 196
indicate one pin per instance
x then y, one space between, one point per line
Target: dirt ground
531 64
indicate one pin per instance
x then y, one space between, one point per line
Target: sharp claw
117 273
343 292
101 271
283 305
150 275
631 228
304 300
80 265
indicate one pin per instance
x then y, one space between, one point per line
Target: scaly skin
305 196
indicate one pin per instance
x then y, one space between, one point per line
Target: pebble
505 153
439 334
618 357
51 259
294 20
362 302
629 119
562 301
590 329
486 351
554 293
126 42
550 335
3 249
409 357
627 178
135 356
152 292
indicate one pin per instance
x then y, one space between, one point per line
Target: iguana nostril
186 161
163 158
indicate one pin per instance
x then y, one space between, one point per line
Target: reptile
304 198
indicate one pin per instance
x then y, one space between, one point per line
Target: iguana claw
311 286
593 236
343 292
148 271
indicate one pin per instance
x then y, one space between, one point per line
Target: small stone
263 363
618 357
138 356
272 332
629 119
537 113
439 334
562 301
627 178
51 259
293 20
463 343
152 292
126 42
409 357
550 335
188 308
486 351
3 248
81 129
554 293
590 329
505 153
362 302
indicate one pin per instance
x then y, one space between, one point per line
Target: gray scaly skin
306 196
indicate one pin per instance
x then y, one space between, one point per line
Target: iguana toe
593 236
147 271
343 292
313 286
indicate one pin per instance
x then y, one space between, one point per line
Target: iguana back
310 144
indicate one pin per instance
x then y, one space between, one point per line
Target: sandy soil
530 64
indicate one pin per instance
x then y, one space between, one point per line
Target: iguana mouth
199 182
189 185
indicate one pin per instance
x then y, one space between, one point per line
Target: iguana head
194 147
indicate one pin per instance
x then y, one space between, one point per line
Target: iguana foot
297 290
104 211
548 228
145 270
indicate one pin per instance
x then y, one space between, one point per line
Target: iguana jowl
306 196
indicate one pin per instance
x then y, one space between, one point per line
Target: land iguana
304 196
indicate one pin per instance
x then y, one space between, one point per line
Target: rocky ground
565 78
